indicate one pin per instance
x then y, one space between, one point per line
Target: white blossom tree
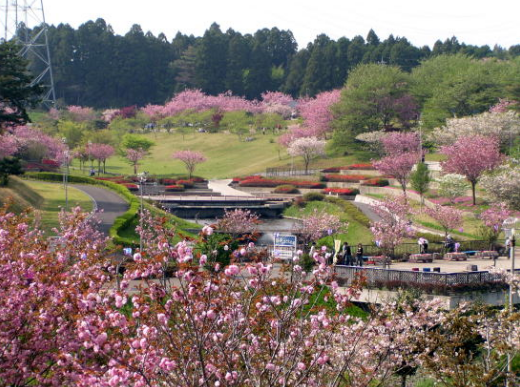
307 147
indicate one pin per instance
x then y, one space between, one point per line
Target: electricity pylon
24 22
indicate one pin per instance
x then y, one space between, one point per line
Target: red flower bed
363 166
174 188
166 181
51 163
239 179
261 182
344 178
112 178
341 191
376 182
196 179
131 187
185 183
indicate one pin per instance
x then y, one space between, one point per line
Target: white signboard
284 246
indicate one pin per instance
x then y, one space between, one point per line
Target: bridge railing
376 276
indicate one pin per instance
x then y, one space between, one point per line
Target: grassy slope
54 198
20 195
227 156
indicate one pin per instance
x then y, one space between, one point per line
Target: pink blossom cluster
393 225
65 320
317 113
8 145
27 137
80 113
448 218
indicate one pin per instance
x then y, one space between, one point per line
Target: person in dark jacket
346 255
359 254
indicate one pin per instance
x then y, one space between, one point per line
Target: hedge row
354 212
286 189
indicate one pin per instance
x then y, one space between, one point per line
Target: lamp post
142 181
65 166
509 230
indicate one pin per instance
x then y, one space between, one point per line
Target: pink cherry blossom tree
449 218
64 322
237 222
100 152
399 166
317 113
8 145
493 219
190 159
134 156
317 224
79 113
471 156
396 143
394 224
308 148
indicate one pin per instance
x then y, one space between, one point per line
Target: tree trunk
135 169
473 184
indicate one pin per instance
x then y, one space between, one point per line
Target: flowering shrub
174 188
286 188
376 182
341 191
262 182
344 178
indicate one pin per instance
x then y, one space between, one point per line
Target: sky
422 22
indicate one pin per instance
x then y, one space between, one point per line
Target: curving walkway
108 204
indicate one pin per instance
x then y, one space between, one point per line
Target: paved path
223 187
364 204
111 204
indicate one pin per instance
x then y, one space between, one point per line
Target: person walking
359 254
425 246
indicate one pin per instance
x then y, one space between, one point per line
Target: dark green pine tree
239 50
294 78
319 74
258 75
211 61
16 92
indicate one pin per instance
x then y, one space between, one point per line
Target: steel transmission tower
24 22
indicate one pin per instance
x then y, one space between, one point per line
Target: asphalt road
107 202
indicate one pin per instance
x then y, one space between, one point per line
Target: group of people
344 256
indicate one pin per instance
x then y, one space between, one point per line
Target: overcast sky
475 22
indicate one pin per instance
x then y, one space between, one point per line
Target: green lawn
227 156
54 200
